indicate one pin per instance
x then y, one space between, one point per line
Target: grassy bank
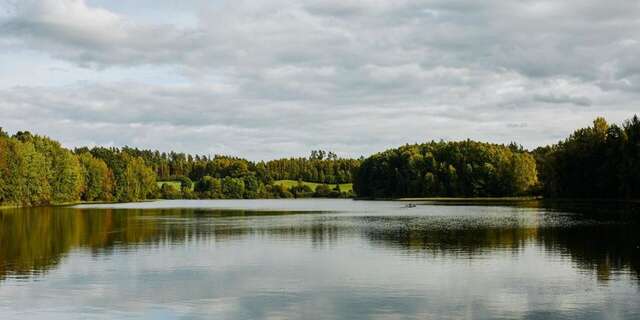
344 187
58 204
174 183
517 199
475 199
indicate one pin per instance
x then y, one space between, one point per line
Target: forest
36 170
448 169
600 161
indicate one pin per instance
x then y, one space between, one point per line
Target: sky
269 79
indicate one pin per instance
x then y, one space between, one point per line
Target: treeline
601 161
329 171
448 169
320 167
224 177
249 187
36 170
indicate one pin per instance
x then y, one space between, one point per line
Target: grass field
175 184
345 187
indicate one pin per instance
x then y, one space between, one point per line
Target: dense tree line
601 161
224 177
36 170
452 169
320 167
330 170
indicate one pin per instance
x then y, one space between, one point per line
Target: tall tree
98 178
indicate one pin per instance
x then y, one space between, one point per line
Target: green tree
168 191
251 186
28 181
232 188
458 169
65 173
301 190
209 187
139 181
600 161
97 177
322 191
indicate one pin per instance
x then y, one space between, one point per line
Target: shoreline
69 204
500 199
474 199
456 199
451 200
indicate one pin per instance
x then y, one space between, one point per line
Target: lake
320 259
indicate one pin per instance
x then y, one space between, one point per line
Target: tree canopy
451 169
600 161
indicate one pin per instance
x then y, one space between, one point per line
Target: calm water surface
319 259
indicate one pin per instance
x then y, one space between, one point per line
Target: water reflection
35 240
318 259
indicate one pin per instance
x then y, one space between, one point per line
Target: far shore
456 199
499 199
417 199
68 204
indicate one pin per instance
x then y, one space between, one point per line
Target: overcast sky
266 79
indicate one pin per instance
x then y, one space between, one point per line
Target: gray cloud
564 98
282 77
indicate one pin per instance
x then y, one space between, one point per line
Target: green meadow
174 183
344 187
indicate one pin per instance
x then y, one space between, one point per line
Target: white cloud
274 78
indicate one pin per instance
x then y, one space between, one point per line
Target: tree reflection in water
600 238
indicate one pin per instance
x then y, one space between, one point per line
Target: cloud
538 39
552 98
273 78
93 37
